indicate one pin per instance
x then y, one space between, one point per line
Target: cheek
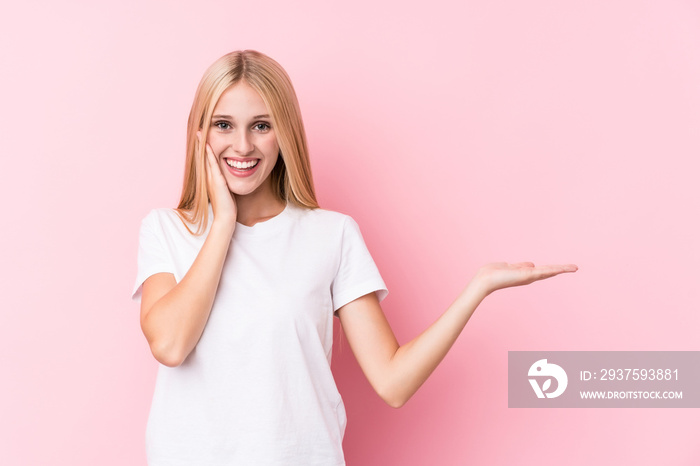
273 151
217 143
270 146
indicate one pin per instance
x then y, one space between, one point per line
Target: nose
242 143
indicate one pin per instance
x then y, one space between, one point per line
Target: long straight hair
291 177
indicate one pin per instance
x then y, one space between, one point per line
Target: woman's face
243 140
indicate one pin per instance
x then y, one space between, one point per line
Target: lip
241 173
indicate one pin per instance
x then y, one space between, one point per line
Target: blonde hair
291 177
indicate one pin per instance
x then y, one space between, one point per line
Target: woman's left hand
499 275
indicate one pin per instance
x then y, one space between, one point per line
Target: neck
257 207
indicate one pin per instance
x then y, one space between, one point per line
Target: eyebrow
229 117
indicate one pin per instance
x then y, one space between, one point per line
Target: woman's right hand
222 200
499 275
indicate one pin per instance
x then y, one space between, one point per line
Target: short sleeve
357 274
152 255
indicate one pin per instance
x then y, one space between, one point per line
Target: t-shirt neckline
264 228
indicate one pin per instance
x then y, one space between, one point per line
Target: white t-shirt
258 388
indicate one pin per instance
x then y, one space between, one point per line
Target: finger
566 267
210 152
210 156
210 175
216 170
210 171
212 166
547 271
524 264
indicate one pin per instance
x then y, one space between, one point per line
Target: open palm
498 275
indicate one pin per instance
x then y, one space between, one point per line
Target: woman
239 287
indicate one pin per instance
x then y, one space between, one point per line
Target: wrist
477 288
224 225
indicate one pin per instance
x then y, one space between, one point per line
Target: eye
222 125
262 127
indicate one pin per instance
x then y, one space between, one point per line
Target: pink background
455 133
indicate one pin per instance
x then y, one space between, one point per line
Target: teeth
241 165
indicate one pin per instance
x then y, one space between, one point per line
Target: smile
242 168
242 165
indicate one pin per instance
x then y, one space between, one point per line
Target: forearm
414 361
176 321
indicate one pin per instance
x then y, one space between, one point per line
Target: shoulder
323 218
166 220
159 215
336 230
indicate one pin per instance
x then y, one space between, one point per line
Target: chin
241 190
242 187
